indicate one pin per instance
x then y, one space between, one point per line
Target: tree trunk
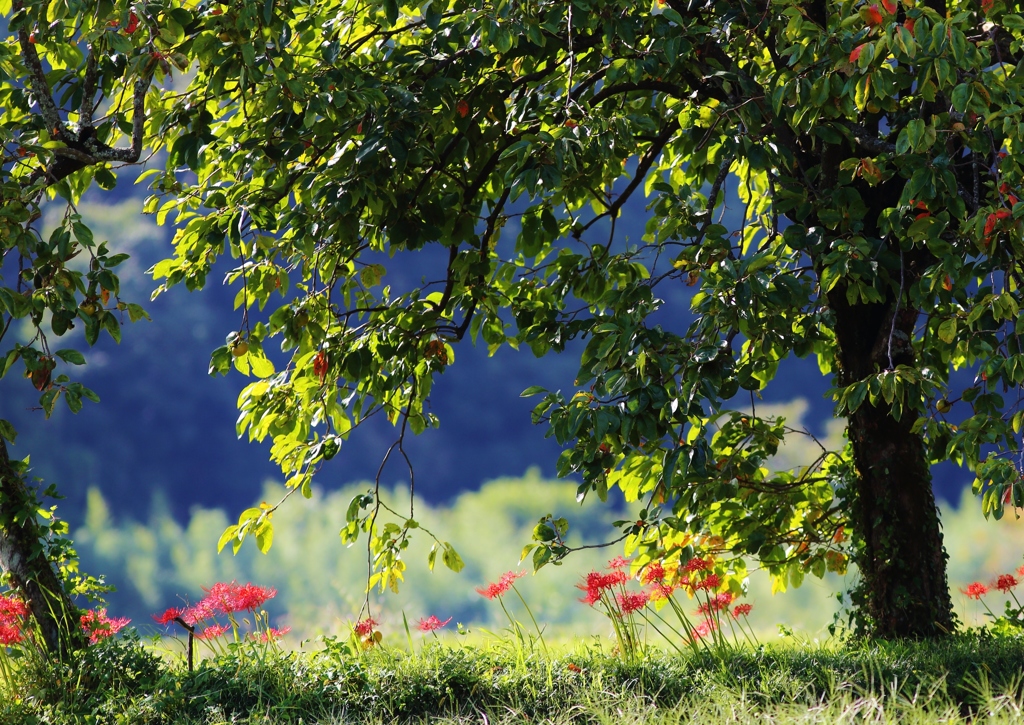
23 556
902 561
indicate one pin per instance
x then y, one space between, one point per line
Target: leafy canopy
313 141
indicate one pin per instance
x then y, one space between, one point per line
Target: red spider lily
13 613
698 564
1006 582
271 634
704 628
619 562
199 612
716 603
596 582
12 607
975 591
365 627
660 591
252 596
593 597
500 587
632 601
509 578
169 616
710 582
10 634
234 597
741 610
98 625
213 631
855 53
431 623
654 572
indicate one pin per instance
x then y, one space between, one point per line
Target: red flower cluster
716 603
741 610
431 623
271 634
365 627
1005 582
705 628
98 625
596 582
13 613
169 616
975 591
229 598
499 588
708 583
221 598
619 562
630 602
698 564
213 631
654 572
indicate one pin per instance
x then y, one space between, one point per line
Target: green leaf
136 313
1012 22
265 536
230 533
451 558
72 357
7 431
261 366
947 330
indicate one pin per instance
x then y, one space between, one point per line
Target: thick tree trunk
901 557
23 557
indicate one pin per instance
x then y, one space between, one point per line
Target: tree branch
868 141
641 172
40 88
88 91
648 85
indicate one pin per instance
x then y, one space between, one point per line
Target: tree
875 150
49 151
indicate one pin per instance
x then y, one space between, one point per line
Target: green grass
967 678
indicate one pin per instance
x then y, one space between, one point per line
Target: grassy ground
967 678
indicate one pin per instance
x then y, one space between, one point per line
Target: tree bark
901 558
23 556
